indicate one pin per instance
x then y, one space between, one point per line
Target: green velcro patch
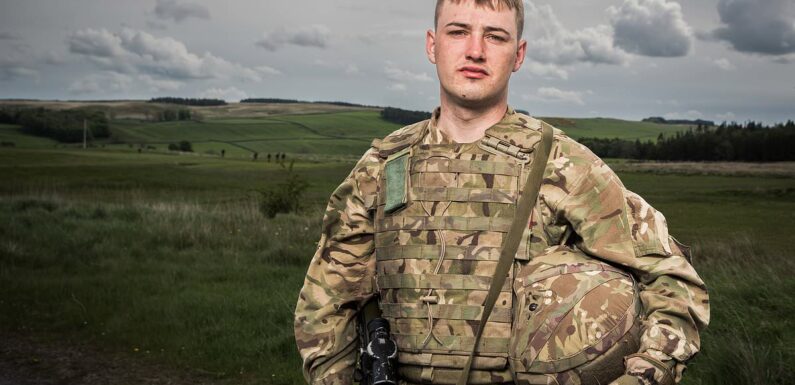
396 171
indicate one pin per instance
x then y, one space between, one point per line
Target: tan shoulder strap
511 243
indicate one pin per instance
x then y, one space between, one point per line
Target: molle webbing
460 194
445 223
453 312
471 253
439 281
464 166
452 343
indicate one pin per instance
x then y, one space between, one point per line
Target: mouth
473 72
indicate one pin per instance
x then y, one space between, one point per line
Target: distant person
254 156
487 233
223 152
269 157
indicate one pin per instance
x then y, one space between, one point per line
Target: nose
475 47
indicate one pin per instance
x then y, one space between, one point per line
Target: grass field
165 257
607 128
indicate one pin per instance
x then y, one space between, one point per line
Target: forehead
477 15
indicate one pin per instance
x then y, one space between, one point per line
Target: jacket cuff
667 340
650 370
343 378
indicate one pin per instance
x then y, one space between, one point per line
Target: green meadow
166 258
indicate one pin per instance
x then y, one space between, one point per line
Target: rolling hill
297 128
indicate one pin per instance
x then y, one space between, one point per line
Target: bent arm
338 281
618 226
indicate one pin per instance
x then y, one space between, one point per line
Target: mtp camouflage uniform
431 263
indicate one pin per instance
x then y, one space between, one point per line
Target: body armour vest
441 214
436 254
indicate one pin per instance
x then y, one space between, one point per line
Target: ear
520 54
430 45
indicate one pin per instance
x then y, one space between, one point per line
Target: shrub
284 197
173 147
185 146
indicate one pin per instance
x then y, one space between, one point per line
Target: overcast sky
711 59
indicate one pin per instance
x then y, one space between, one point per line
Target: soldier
597 292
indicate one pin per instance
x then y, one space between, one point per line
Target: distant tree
61 125
185 146
400 116
189 101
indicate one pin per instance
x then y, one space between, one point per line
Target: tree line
401 116
748 142
292 101
62 125
189 101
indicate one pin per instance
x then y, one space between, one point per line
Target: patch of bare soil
774 169
29 361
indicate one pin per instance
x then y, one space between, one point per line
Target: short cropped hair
516 5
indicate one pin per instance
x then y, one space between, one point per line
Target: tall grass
212 288
750 339
209 288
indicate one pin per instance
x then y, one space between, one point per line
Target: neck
467 124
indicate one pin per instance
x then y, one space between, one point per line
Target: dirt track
26 361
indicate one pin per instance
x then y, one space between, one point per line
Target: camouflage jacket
580 193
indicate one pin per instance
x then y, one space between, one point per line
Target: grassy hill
608 128
299 129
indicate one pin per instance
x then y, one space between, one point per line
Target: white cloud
317 36
651 28
230 94
400 75
351 69
99 83
398 87
724 64
341 66
549 42
545 70
727 117
266 70
689 115
171 9
157 85
765 27
552 94
133 52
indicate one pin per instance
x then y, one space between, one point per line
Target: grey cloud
651 28
95 83
764 27
171 9
132 51
6 35
549 42
12 72
400 75
310 36
96 43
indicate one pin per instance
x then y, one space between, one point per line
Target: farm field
165 258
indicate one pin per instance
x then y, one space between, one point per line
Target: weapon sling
523 209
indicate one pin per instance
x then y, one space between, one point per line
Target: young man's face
475 49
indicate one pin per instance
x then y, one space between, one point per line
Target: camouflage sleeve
617 225
339 280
